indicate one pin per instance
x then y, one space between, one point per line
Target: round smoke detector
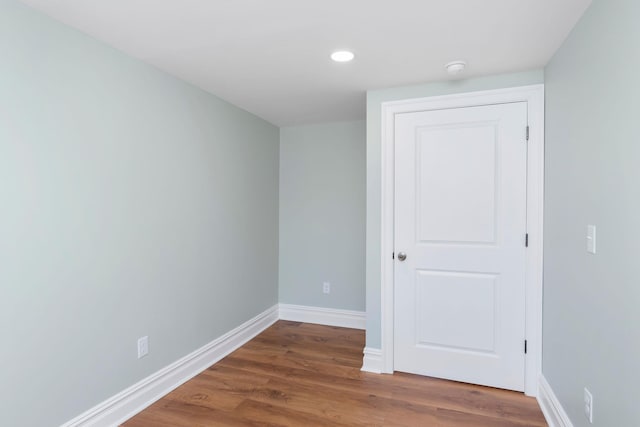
456 67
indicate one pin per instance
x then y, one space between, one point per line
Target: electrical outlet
588 405
326 287
143 347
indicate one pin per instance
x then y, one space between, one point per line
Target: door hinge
526 240
525 346
393 255
527 132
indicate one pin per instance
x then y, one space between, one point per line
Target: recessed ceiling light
456 67
342 56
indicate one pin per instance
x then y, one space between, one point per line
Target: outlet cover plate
588 405
326 287
143 347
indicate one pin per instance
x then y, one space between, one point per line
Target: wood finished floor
299 374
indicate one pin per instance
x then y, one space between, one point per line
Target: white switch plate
143 347
591 239
326 287
588 405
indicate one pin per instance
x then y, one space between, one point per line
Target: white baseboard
129 402
323 316
553 411
372 360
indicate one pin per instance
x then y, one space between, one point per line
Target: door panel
460 216
439 323
462 207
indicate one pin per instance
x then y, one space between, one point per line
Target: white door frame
534 96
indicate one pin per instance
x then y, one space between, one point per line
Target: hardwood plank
297 374
274 415
170 413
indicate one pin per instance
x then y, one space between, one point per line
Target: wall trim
134 399
372 360
553 411
323 316
534 96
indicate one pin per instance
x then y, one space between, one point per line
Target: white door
460 218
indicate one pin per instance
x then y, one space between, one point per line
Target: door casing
534 96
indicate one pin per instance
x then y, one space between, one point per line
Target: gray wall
131 204
591 314
374 105
322 215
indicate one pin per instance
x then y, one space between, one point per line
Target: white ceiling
271 57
